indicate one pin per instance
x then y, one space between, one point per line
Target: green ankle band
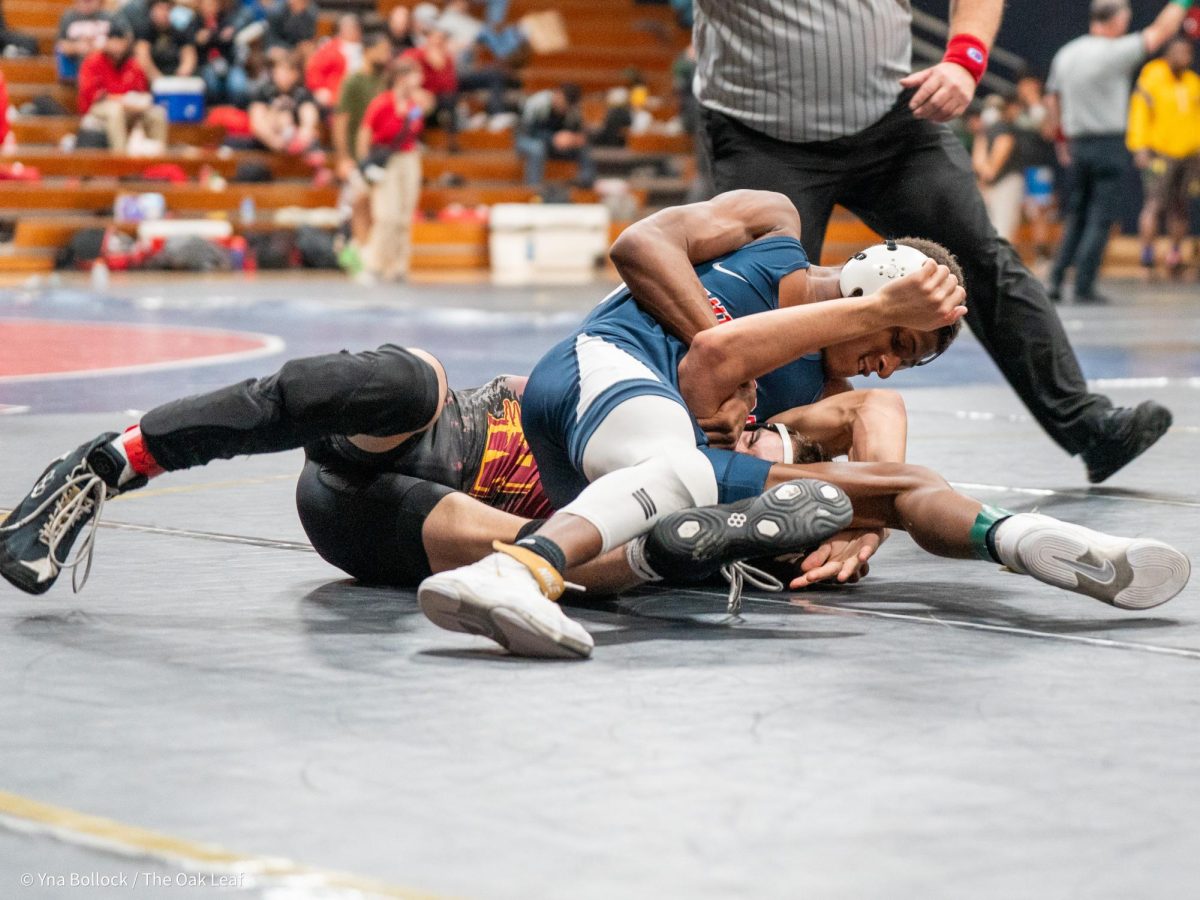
1186 4
988 516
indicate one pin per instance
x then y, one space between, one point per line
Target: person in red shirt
6 138
114 93
333 60
387 144
439 77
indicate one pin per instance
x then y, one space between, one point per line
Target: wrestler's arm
867 426
749 347
656 256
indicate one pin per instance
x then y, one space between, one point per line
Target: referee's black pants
909 177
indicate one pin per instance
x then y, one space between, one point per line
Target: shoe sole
12 572
788 518
1134 574
448 607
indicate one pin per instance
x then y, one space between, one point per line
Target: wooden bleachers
79 186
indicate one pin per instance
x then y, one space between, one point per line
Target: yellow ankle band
549 581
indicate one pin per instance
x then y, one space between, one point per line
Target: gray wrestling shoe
694 544
1128 573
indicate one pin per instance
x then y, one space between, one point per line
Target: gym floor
220 713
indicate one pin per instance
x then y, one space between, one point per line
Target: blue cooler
183 98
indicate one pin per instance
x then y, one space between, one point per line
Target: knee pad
628 502
377 392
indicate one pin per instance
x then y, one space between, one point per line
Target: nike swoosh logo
1103 574
724 271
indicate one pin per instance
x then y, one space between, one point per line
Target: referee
816 99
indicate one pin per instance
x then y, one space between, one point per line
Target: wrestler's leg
1128 573
381 396
460 530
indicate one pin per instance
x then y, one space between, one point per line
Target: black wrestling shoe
1125 434
37 536
694 544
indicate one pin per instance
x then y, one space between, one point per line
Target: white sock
635 556
127 473
1008 536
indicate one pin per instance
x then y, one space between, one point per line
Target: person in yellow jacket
1164 137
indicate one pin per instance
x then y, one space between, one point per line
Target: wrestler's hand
843 557
724 427
943 91
926 300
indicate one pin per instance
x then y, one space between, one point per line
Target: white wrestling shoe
499 598
1129 573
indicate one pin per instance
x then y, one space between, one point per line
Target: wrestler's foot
1129 573
695 543
500 598
1124 435
37 536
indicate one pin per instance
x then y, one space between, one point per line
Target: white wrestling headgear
870 269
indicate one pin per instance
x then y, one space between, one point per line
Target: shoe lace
739 574
83 494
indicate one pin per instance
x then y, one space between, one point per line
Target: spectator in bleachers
15 43
8 142
1164 137
114 94
283 114
387 142
439 77
618 118
225 79
325 69
1088 93
358 90
552 128
164 47
399 29
291 28
999 166
81 31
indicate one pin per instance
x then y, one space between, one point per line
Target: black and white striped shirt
802 70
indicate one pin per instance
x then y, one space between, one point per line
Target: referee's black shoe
694 544
37 537
1125 434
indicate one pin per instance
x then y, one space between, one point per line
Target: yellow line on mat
23 814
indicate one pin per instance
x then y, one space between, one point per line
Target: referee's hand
943 91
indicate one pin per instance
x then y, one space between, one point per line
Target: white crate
547 242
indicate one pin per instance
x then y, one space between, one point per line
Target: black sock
529 528
546 549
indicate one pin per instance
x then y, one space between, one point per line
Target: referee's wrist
971 53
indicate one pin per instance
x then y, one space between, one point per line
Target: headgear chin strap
869 270
789 455
789 452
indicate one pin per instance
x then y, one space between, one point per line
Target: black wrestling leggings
368 524
377 392
365 521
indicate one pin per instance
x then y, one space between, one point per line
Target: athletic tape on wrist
969 52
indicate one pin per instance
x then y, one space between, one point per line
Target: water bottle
100 275
247 211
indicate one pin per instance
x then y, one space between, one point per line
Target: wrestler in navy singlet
559 423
